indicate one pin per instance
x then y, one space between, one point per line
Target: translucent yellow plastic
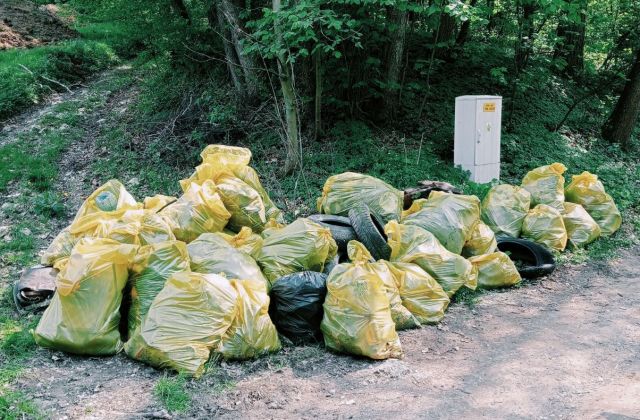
343 192
90 214
154 228
495 270
357 316
504 209
211 253
245 241
449 217
250 176
482 241
150 269
252 334
157 202
302 245
412 244
420 293
199 210
185 321
585 189
125 232
222 155
59 249
545 226
581 228
546 185
84 314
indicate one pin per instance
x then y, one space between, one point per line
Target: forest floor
565 346
25 24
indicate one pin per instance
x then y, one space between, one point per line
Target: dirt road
564 347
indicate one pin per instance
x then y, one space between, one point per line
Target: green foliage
24 74
49 204
172 392
14 406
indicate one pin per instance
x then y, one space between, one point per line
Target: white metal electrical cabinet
478 122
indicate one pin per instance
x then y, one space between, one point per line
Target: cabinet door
488 112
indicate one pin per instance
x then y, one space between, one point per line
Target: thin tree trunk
570 46
622 121
317 109
464 29
446 35
394 63
525 35
217 21
285 74
247 64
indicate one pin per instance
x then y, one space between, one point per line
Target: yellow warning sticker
489 107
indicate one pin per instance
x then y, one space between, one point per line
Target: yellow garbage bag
59 249
343 192
504 208
252 334
581 228
241 200
157 202
125 232
413 244
151 268
211 253
481 241
236 160
84 313
545 226
154 228
185 321
357 314
420 293
245 241
110 201
495 270
585 189
546 185
450 217
199 210
303 245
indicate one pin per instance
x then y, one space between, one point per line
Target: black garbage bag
296 305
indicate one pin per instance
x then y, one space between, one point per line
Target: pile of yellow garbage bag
191 275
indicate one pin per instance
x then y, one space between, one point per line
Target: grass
172 393
24 73
13 406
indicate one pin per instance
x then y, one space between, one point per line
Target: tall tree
620 125
571 35
394 61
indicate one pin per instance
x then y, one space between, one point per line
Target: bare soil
25 24
566 346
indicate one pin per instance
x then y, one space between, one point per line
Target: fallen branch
46 78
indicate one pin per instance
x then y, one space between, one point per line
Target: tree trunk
394 63
246 62
181 9
570 45
285 73
622 121
525 35
217 21
464 29
445 35
317 108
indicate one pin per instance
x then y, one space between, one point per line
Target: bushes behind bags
296 305
504 209
420 293
84 314
303 245
546 185
357 315
581 228
412 244
450 217
345 191
199 210
151 268
185 321
495 270
545 226
252 333
585 189
211 253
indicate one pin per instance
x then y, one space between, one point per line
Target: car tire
369 229
340 227
540 262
